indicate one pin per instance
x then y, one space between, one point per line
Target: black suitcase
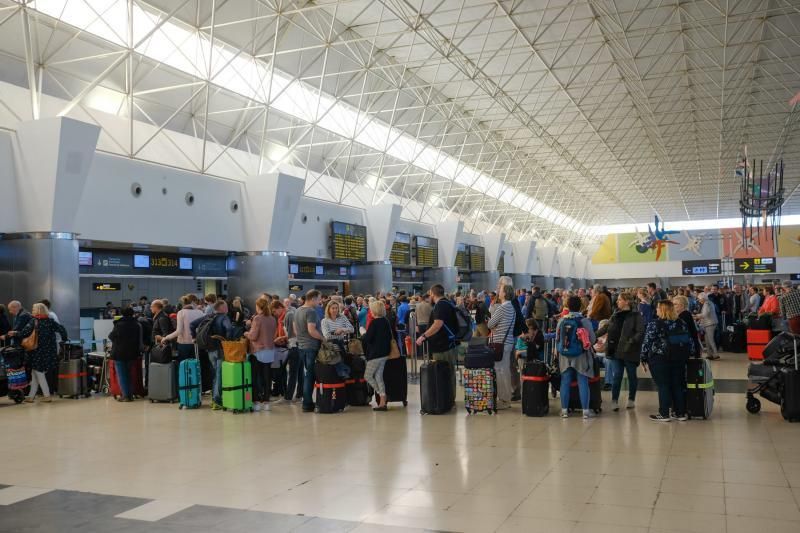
331 394
478 354
395 379
700 388
790 403
535 388
357 391
735 341
436 396
358 366
780 345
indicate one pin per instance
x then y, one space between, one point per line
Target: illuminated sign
401 249
349 241
427 249
107 286
85 259
462 256
185 263
477 258
755 265
141 261
706 267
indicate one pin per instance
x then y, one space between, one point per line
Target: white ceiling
602 111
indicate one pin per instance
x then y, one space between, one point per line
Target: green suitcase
237 387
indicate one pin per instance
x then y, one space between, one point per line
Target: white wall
8 210
312 238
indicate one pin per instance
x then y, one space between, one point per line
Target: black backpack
464 330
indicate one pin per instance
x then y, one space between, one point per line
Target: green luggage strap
709 385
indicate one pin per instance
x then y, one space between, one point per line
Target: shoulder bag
394 350
496 348
31 342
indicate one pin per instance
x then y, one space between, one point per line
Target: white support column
525 257
382 221
494 245
449 234
270 205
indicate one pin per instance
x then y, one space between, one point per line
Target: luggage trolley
767 377
13 377
411 347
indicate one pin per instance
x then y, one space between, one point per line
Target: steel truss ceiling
543 118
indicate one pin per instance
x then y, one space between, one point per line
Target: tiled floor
97 465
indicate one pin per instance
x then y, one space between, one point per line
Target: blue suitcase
189 393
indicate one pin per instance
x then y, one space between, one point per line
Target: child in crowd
534 340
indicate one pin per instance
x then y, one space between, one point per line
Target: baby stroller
767 377
13 376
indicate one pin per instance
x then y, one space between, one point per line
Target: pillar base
371 278
42 265
253 273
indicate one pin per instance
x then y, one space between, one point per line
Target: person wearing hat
707 319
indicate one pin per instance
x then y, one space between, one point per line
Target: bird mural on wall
693 243
657 239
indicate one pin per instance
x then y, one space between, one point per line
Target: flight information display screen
349 241
477 258
462 256
401 249
427 251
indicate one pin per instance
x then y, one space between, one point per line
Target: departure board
462 256
427 251
477 258
401 249
349 241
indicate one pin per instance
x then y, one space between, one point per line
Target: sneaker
607 387
564 413
256 406
308 408
679 418
615 405
279 401
631 405
503 405
265 406
215 406
516 398
587 414
659 418
28 399
47 399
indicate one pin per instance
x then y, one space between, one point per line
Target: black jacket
691 327
625 334
126 339
378 338
162 325
5 325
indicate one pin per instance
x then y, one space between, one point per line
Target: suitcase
790 402
782 344
395 379
357 391
163 386
535 388
735 340
331 391
700 388
237 386
478 354
358 366
161 353
73 377
480 390
189 379
436 398
135 374
71 350
595 396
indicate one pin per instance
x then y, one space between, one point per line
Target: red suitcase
135 372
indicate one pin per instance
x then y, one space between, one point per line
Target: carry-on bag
71 350
790 402
233 351
237 387
331 393
161 353
480 390
163 386
700 388
395 380
535 387
435 386
734 338
73 377
189 383
479 355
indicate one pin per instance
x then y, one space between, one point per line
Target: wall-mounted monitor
107 286
477 258
343 271
401 249
427 249
319 270
141 261
462 256
185 263
349 241
85 259
294 268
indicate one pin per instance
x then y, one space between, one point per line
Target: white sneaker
265 406
615 405
564 413
587 414
631 405
279 401
256 406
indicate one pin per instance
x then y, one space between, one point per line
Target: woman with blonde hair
335 326
377 343
665 349
44 357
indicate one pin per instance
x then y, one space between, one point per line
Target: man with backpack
441 334
205 329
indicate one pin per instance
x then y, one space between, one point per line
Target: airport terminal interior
397 266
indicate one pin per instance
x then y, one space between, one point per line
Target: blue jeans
294 375
123 378
620 367
567 378
342 370
670 378
216 386
307 359
610 368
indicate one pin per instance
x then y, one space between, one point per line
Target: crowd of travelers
625 329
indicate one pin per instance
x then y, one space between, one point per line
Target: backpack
567 341
204 333
540 308
464 331
677 342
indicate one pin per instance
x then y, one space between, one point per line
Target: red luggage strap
535 378
73 376
591 380
329 385
354 381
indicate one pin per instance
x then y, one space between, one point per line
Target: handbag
354 347
329 354
31 342
394 351
497 348
233 351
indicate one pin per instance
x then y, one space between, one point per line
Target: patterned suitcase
480 390
189 393
237 387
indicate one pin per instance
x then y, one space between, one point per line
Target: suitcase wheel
152 401
405 403
753 405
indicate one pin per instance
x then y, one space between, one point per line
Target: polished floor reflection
97 465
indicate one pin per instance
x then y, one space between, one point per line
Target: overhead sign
755 265
349 241
107 286
794 277
706 267
401 249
